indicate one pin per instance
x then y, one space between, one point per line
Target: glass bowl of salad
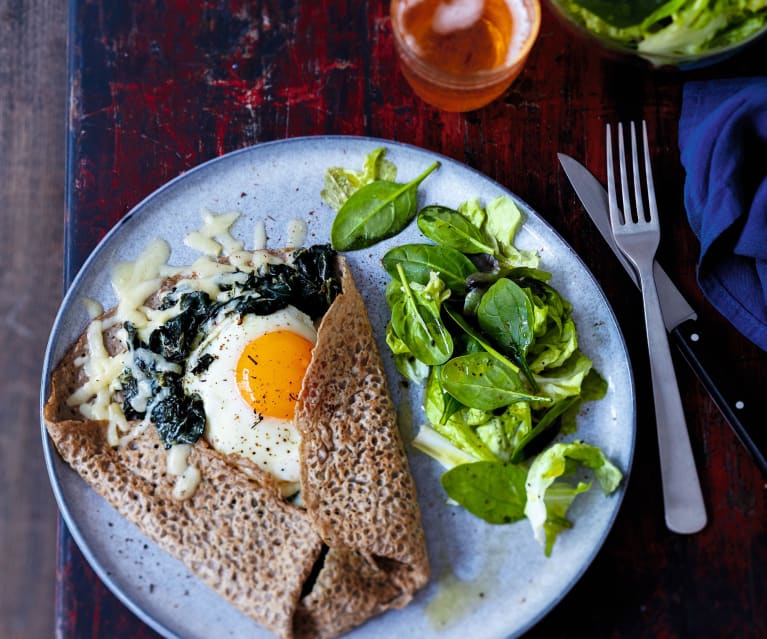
667 33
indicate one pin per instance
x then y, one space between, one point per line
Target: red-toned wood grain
159 86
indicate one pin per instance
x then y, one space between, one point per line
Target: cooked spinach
376 211
317 265
154 381
175 339
130 392
179 418
203 363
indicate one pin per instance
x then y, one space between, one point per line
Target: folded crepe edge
354 461
352 578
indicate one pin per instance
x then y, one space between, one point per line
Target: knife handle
726 391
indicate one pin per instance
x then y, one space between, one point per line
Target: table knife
681 322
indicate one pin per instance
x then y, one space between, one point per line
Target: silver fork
638 235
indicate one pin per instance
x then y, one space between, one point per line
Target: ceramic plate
491 577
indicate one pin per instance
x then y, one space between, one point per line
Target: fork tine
652 204
612 200
628 215
638 198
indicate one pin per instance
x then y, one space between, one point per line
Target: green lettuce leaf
457 428
503 221
505 433
566 380
341 183
472 210
438 447
549 497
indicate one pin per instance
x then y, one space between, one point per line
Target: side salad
668 28
475 321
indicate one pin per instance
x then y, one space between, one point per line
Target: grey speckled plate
491 577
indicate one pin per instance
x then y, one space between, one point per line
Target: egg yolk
270 371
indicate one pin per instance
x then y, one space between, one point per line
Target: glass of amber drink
459 55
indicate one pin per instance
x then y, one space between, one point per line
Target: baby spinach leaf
478 338
519 274
449 228
450 405
471 301
375 212
493 491
419 260
478 380
415 317
505 314
406 363
456 429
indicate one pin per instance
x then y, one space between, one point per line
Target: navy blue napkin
723 144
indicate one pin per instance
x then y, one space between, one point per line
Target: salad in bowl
677 33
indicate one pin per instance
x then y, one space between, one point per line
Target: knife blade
681 322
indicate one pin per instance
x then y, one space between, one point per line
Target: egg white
232 427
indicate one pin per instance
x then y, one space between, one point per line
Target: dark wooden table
159 87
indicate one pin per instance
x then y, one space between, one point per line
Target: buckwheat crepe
353 550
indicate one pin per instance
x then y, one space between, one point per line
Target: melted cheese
187 476
178 456
92 307
214 236
187 483
259 236
95 396
134 283
296 232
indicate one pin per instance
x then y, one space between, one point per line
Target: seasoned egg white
248 376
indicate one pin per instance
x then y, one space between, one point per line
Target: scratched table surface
156 88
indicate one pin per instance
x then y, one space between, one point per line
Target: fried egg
248 372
